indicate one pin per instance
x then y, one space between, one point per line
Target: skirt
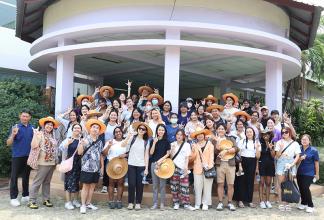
89 177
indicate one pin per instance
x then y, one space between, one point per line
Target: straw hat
92 113
117 168
231 95
91 122
149 89
157 96
137 124
198 131
210 97
111 90
225 145
166 169
243 113
81 97
42 121
215 106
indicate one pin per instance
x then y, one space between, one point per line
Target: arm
317 170
37 137
146 160
13 133
211 156
152 148
164 157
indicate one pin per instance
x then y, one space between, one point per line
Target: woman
71 180
122 100
265 168
239 133
73 119
137 116
155 120
180 152
225 168
209 100
138 157
308 170
193 124
201 113
229 109
271 127
84 111
159 151
210 125
172 127
116 149
255 124
102 105
45 143
287 155
248 150
203 157
116 105
92 150
166 112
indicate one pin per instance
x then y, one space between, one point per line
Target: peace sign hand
156 91
37 133
14 130
196 105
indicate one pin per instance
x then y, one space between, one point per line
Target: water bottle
258 178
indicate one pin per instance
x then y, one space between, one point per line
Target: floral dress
72 178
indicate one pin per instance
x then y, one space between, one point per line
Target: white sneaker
197 207
309 209
205 208
302 207
104 189
176 206
91 206
137 207
220 206
24 199
268 204
115 190
83 209
263 205
189 207
126 184
14 202
231 207
69 206
76 203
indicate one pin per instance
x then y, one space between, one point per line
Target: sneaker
119 205
162 207
302 207
309 209
111 204
176 206
69 206
263 205
14 202
138 207
155 206
115 190
268 204
32 205
83 209
231 207
76 203
288 208
281 207
220 207
47 203
188 207
197 207
130 206
24 199
92 207
126 184
104 189
205 208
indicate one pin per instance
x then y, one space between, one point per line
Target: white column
51 79
172 71
273 88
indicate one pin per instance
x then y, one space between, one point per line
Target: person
225 168
243 116
209 100
19 139
138 158
172 127
92 149
193 124
102 106
122 100
127 113
210 125
190 105
105 92
201 113
255 124
246 107
155 120
166 112
184 114
73 119
72 178
239 133
156 100
179 182
231 101
83 112
135 99
45 143
116 105
276 133
159 151
308 170
257 106
287 155
203 157
137 116
84 100
147 110
276 117
264 116
144 92
116 149
265 167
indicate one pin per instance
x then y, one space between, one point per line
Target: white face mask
155 102
148 108
189 104
174 120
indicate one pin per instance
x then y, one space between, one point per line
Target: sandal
241 204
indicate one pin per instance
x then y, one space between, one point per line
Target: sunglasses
142 129
285 132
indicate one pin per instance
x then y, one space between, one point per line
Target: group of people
137 139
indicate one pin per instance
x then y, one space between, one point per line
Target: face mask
189 104
173 120
148 108
155 102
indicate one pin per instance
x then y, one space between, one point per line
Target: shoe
104 189
32 205
188 207
115 190
24 199
220 207
268 204
119 205
309 209
126 184
205 208
302 207
162 207
288 208
92 207
138 207
47 203
14 202
241 204
76 203
263 205
197 207
251 205
176 206
83 209
281 207
69 206
155 206
111 204
130 206
231 207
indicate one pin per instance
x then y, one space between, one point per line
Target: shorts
281 166
224 170
267 168
89 177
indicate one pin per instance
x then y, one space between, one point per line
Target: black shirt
161 148
264 121
265 152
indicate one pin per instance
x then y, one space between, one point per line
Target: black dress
72 178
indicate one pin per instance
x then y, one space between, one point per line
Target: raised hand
14 130
97 89
203 102
129 83
37 133
70 140
156 91
196 105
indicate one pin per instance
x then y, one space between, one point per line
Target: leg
155 181
268 187
184 190
25 176
15 170
249 181
230 177
37 182
120 189
162 190
220 191
111 189
261 186
131 183
175 186
105 179
207 191
84 193
198 185
280 179
68 196
139 185
46 186
91 190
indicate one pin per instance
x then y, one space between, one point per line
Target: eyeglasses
285 132
142 129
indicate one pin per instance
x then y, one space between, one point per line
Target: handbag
67 165
32 160
289 190
209 173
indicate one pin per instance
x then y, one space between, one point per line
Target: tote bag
289 190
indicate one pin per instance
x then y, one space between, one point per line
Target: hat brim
157 96
111 91
149 89
219 107
81 97
149 130
170 171
224 145
91 122
231 95
109 169
91 114
42 122
213 99
243 113
196 133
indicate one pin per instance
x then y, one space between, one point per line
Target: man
246 107
264 116
215 111
20 138
105 92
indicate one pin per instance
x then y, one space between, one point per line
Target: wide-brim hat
198 131
157 96
225 145
145 87
117 168
215 106
166 169
92 113
231 95
149 130
264 107
91 122
111 91
243 113
42 121
211 98
81 97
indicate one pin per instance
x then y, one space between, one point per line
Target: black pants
135 177
105 179
304 183
19 167
247 187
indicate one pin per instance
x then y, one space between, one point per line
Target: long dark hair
169 104
182 132
120 128
246 139
113 110
70 122
140 118
165 135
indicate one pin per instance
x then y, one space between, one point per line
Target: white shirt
126 115
247 149
137 152
116 149
153 126
238 136
291 151
180 160
109 133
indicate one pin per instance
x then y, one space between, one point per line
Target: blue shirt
171 131
183 120
307 166
21 143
